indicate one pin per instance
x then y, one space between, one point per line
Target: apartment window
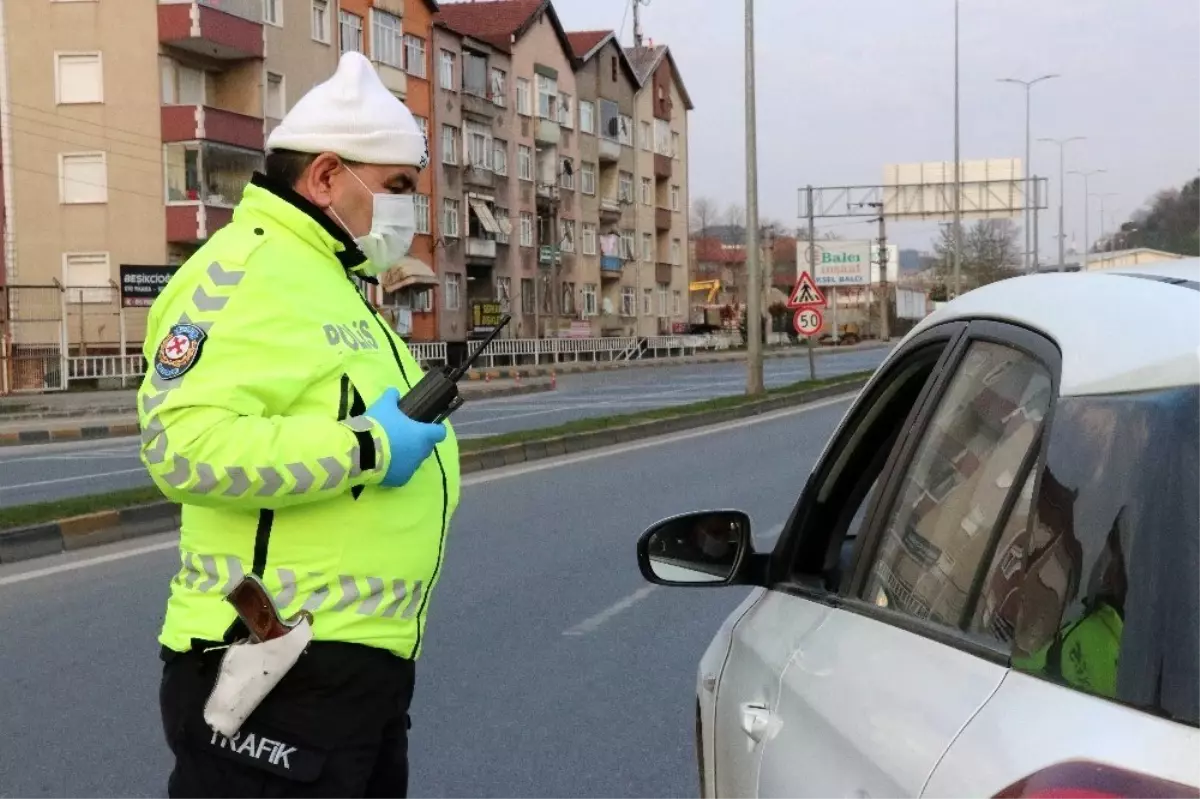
423 122
663 288
610 122
589 299
504 293
449 144
479 145
587 117
625 187
276 104
589 238
414 55
675 198
662 137
587 178
568 298
450 218
628 301
500 157
273 12
453 291
350 32
82 178
646 134
566 116
547 89
648 247
524 100
676 303
625 130
320 20
647 191
79 78
475 74
566 235
499 87
524 162
504 223
181 85
446 70
675 148
421 207
86 277
676 252
567 178
627 245
422 301
528 302
526 229
387 38
647 302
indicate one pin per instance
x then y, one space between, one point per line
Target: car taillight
1084 780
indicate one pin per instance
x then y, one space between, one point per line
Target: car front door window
942 532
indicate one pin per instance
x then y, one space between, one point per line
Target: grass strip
43 512
591 424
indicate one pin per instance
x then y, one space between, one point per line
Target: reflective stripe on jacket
263 356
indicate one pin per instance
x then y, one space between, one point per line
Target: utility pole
812 271
637 21
1062 193
754 353
1087 242
1103 227
884 333
1028 84
957 254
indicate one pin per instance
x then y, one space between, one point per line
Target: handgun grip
257 610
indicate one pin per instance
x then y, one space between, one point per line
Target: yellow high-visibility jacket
263 356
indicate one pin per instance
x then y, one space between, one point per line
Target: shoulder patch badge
179 351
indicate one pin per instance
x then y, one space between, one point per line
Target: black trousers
336 725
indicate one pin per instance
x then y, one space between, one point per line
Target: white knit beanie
353 115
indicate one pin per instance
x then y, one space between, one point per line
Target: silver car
990 583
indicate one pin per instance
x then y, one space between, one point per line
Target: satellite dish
608 305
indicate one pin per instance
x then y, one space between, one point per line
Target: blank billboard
990 189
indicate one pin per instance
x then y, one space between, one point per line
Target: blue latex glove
410 442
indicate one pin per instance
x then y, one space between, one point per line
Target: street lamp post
1028 84
1062 193
754 354
1104 228
957 253
1087 243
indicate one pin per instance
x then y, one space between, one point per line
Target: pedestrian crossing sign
806 294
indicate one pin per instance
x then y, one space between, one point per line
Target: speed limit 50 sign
807 321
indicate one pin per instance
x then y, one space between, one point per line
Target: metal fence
34 338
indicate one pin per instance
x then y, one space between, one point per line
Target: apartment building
607 86
662 185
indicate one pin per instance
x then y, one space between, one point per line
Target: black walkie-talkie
436 396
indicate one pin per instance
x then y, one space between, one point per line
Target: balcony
662 166
610 210
662 272
547 132
227 30
481 248
182 123
662 218
610 150
204 183
478 176
611 266
478 105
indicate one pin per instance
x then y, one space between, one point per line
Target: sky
845 87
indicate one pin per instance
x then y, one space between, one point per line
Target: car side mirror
707 548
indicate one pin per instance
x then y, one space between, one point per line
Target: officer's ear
319 179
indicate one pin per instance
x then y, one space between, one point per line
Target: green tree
1170 223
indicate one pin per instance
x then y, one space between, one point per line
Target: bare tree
704 215
989 252
735 216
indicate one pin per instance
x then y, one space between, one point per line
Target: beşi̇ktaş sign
141 285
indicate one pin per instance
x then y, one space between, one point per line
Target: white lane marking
83 564
75 479
488 477
590 625
593 623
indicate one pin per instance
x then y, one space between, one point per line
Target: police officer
269 412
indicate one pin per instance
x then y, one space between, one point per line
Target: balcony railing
221 29
662 218
481 248
610 265
548 132
182 123
609 150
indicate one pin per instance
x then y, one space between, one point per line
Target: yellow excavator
706 314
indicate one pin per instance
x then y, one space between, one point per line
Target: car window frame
1033 344
780 572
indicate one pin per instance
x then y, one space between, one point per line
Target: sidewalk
89 415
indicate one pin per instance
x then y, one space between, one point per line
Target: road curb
109 526
91 432
584 367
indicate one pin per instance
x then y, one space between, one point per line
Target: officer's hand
410 442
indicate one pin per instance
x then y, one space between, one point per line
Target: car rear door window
940 536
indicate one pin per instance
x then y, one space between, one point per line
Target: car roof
1122 329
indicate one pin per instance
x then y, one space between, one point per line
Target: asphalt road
42 473
551 667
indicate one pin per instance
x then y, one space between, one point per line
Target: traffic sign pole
812 264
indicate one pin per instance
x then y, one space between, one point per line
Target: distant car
990 584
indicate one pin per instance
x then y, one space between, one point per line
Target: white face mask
393 224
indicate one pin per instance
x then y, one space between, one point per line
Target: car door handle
756 719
